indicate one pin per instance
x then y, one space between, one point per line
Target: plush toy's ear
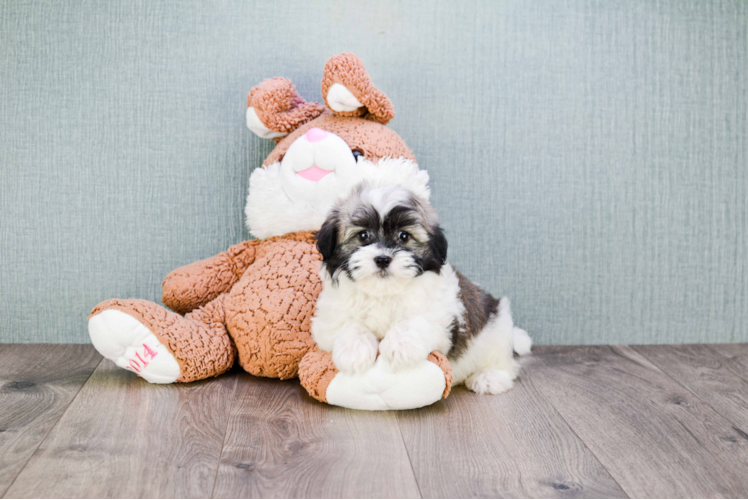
275 109
348 91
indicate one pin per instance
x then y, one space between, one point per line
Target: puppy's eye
364 236
357 154
404 236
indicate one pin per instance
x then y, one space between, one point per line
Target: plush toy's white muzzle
317 154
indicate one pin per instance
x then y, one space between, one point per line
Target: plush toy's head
321 155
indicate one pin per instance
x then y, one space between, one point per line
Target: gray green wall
589 159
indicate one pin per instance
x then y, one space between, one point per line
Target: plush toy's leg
159 345
379 388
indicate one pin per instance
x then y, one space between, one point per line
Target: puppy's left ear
348 90
438 245
327 237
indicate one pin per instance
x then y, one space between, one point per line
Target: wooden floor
654 421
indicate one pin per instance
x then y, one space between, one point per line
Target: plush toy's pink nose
315 134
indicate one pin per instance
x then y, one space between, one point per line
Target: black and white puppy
388 288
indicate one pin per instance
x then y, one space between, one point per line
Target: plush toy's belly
269 311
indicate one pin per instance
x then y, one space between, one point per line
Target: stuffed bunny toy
255 301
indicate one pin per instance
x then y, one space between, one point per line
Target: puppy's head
381 236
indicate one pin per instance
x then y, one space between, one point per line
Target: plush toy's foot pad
131 345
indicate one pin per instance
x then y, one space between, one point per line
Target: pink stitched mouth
314 173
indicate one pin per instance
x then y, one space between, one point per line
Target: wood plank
707 374
123 437
736 356
282 443
513 445
37 383
655 437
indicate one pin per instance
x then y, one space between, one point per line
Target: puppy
388 288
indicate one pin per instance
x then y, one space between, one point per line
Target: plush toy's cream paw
402 350
123 339
490 381
355 352
378 388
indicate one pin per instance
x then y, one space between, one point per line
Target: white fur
488 365
356 350
339 98
279 203
522 342
410 341
490 381
412 317
365 271
425 303
384 198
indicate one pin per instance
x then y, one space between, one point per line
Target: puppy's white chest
380 314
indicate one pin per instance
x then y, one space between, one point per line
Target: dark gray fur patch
480 307
458 334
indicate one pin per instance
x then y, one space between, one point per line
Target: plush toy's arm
379 388
196 284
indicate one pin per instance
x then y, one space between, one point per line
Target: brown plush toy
256 299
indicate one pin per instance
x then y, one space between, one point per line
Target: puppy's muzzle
382 261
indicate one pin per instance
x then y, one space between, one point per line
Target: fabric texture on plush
280 107
348 70
373 139
271 307
316 371
193 285
199 340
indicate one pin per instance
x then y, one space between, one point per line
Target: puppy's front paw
355 352
401 350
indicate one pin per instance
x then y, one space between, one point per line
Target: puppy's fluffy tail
522 341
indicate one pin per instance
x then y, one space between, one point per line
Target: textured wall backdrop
589 158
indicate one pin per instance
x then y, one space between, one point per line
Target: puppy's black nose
382 261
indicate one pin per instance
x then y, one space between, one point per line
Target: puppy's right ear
327 237
275 109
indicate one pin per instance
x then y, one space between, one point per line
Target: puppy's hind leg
490 381
493 366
